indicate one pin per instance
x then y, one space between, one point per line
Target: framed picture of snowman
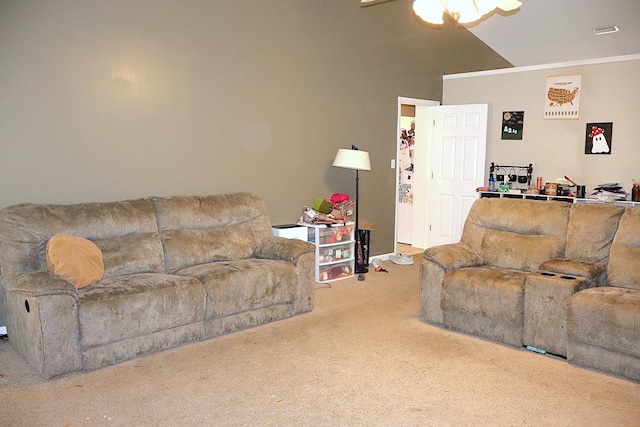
598 138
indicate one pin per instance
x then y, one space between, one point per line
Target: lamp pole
356 160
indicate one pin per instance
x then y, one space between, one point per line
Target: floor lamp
358 161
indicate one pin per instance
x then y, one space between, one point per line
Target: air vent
606 30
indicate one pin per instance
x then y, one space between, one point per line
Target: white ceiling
557 31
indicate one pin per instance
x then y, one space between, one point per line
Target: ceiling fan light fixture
430 11
463 11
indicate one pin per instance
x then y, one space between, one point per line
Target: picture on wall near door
512 125
598 138
563 97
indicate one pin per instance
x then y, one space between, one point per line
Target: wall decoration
512 124
562 97
598 138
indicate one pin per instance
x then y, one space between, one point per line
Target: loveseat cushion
242 285
519 251
526 217
623 268
591 230
606 317
485 301
490 292
117 308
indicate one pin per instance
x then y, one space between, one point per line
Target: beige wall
107 100
610 93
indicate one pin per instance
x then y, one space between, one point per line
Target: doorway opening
411 148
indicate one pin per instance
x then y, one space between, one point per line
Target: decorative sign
598 138
512 124
562 97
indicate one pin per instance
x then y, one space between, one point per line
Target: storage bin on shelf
335 250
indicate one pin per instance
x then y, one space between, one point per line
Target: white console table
495 194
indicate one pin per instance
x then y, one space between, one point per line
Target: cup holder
568 277
545 273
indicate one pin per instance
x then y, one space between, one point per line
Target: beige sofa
176 270
549 275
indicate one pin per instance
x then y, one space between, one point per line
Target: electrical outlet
393 163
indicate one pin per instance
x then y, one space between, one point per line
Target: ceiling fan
463 11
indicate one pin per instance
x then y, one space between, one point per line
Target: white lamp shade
352 159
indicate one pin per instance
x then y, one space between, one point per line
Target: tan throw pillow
75 259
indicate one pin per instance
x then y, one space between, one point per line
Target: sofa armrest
42 320
280 248
453 256
39 283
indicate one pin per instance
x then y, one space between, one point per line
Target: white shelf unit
485 194
335 250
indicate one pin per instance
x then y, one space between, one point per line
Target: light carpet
360 358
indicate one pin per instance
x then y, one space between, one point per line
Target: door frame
417 102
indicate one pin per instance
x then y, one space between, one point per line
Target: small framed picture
598 138
512 125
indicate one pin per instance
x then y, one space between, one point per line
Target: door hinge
429 227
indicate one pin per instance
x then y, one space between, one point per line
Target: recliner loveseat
520 265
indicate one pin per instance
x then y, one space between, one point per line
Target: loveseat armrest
453 256
39 283
280 248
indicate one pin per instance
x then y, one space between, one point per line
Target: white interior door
410 219
455 167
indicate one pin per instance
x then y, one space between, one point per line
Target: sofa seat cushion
118 308
488 292
243 285
606 317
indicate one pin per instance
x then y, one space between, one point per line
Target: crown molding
542 67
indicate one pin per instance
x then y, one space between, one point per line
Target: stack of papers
609 192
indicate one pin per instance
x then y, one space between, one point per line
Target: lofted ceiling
552 31
557 31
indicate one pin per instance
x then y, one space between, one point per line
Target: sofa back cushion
200 229
624 259
516 233
125 232
591 230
